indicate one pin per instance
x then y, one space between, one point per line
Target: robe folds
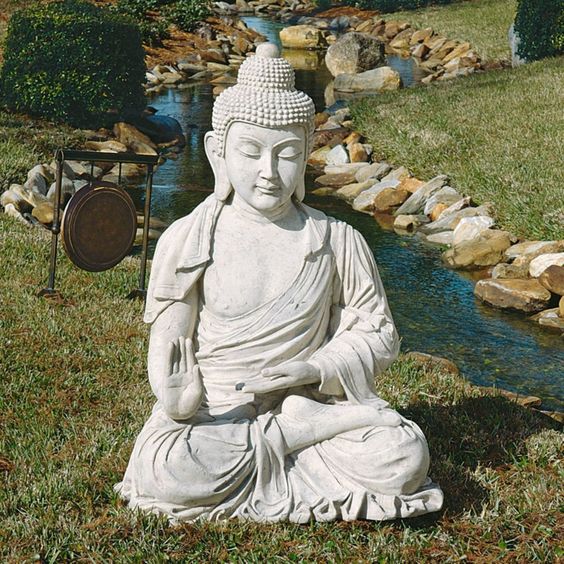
230 459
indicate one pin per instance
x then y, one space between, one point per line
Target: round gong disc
98 227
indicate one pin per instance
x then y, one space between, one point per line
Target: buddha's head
262 130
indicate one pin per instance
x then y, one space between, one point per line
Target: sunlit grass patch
484 23
74 395
498 135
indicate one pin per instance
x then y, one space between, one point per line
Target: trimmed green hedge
70 61
540 25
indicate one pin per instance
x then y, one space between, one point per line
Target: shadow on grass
481 431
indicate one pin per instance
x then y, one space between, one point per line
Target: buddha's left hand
286 375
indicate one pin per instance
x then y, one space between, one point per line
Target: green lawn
484 23
74 395
498 135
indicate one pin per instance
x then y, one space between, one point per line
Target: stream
434 307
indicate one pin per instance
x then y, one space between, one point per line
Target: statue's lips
271 190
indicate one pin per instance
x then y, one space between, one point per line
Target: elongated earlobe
222 186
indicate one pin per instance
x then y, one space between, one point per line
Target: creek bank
524 276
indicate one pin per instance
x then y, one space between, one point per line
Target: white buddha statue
269 323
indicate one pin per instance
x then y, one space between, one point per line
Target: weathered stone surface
420 35
539 264
416 202
523 295
408 223
36 183
379 79
352 168
389 198
12 211
319 156
351 191
47 172
43 213
436 212
485 250
338 155
534 248
302 37
504 270
364 202
449 222
323 191
442 238
357 153
456 207
550 318
354 53
470 227
459 51
446 195
353 137
400 173
552 278
561 307
129 135
106 146
420 51
11 197
336 180
411 184
67 190
375 170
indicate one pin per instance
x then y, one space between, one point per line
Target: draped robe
230 459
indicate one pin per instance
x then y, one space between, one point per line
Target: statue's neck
241 207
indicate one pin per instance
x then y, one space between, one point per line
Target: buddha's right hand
182 389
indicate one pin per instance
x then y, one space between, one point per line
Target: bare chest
251 265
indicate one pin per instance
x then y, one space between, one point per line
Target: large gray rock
533 249
539 264
355 53
375 80
450 222
550 318
553 279
523 295
375 170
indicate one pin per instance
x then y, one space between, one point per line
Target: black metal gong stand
62 155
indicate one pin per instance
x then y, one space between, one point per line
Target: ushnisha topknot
265 94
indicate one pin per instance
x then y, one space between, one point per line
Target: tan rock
504 270
437 211
407 223
110 146
539 264
550 319
43 213
319 157
389 198
552 278
12 211
377 80
420 35
128 134
534 248
411 184
459 51
384 220
561 307
443 50
323 191
420 51
336 180
351 191
376 171
354 137
320 119
357 153
485 250
302 37
523 295
11 197
417 201
391 29
435 42
345 168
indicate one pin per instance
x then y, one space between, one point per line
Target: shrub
540 26
73 62
187 13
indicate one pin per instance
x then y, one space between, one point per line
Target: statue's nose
268 168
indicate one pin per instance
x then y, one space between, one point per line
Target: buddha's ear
222 187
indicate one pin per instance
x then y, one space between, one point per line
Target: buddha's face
265 165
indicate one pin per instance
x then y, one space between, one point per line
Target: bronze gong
98 227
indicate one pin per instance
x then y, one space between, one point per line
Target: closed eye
289 153
249 150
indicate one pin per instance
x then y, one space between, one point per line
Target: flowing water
434 308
